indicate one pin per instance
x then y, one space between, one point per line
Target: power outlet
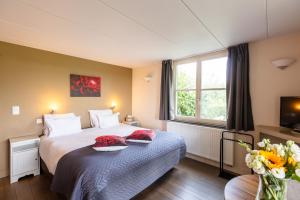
39 121
15 110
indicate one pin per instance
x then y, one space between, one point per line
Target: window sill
221 126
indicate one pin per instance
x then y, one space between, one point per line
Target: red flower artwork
85 86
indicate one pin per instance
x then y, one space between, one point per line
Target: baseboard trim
4 173
208 161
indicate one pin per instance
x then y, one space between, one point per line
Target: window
186 89
213 89
200 91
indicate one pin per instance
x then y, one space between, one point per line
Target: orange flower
272 160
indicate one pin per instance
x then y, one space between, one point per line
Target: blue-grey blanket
88 174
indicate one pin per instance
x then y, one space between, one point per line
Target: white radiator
203 141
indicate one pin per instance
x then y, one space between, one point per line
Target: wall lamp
113 105
53 108
148 78
283 62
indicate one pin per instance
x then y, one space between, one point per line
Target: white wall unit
24 157
203 141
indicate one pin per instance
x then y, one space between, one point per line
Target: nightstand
24 157
133 123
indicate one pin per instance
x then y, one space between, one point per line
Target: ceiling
136 33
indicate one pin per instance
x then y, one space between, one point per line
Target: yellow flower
272 160
291 161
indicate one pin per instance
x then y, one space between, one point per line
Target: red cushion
148 135
110 140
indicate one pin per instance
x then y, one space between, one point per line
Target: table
277 132
242 187
133 123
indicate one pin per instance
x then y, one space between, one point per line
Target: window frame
198 60
182 117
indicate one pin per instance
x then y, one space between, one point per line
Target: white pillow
55 116
93 116
107 121
63 126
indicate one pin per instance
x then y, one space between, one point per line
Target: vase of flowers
275 164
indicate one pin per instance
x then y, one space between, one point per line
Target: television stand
277 132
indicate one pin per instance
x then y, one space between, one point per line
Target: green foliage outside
186 103
213 102
213 105
186 100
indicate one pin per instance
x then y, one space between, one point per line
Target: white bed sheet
53 149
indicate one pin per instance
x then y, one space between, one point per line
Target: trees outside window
200 91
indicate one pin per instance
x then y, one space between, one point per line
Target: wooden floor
190 180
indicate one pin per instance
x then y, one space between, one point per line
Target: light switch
39 121
16 110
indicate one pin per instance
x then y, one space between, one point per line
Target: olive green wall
34 79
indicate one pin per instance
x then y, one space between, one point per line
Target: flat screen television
290 113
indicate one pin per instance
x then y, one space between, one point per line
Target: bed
80 172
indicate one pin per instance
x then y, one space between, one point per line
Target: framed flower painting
85 86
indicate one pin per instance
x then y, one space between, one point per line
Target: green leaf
295 177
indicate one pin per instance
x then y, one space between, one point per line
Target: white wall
146 96
267 84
